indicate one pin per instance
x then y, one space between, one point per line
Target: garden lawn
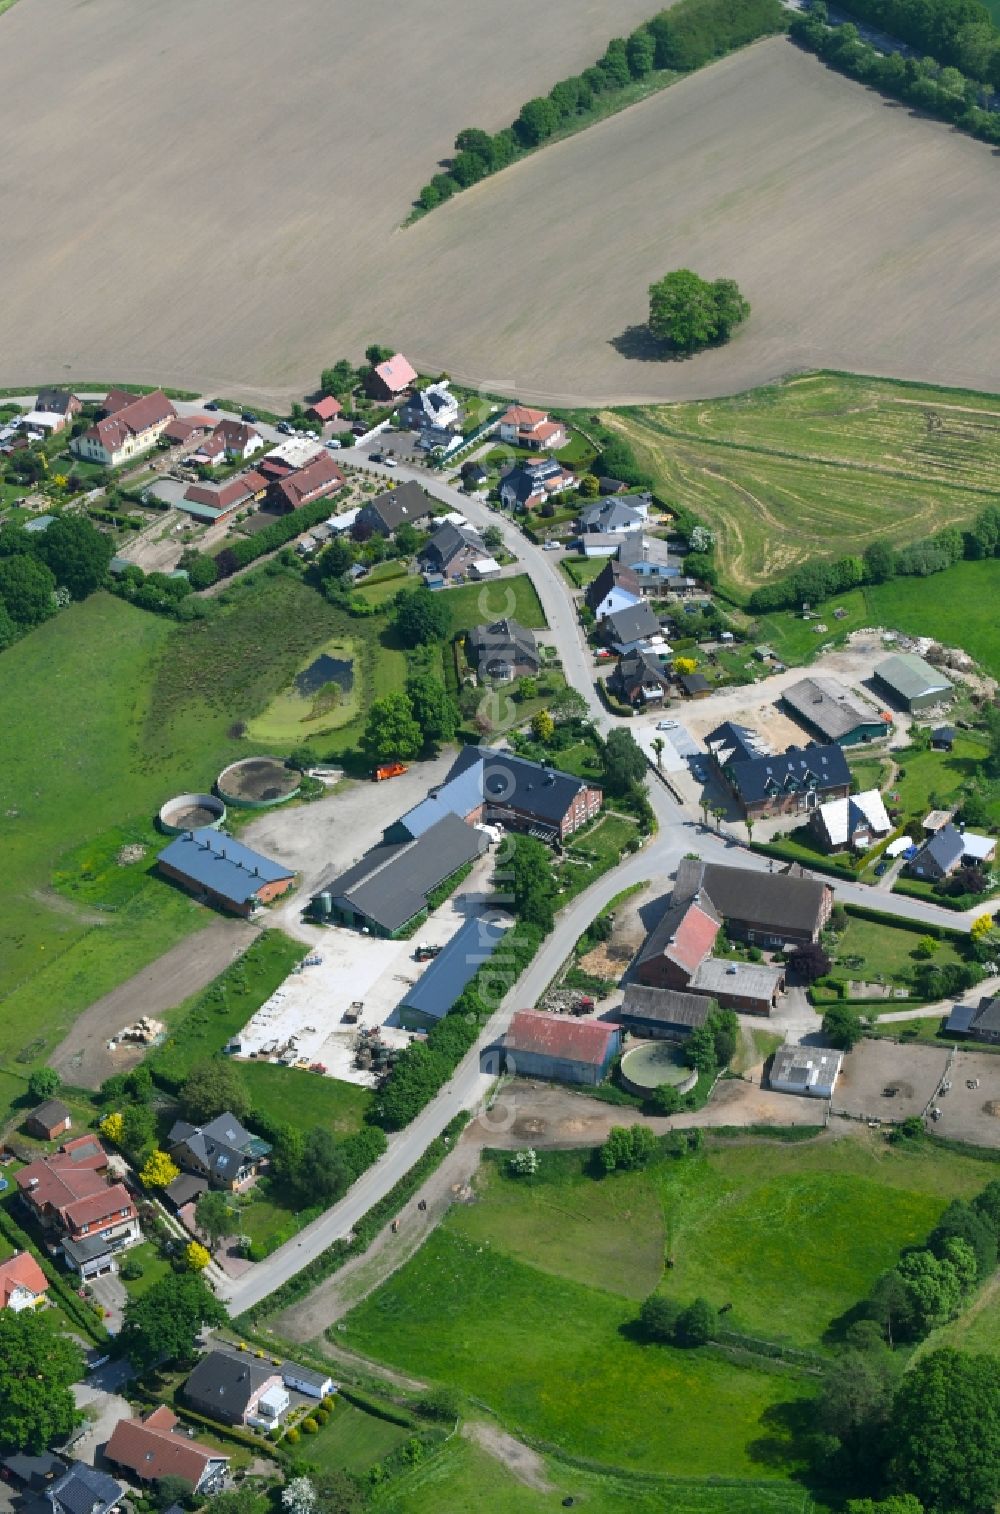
582 571
781 472
464 1479
305 1099
154 1268
931 780
883 951
867 772
554 1359
923 1028
352 1440
477 604
606 840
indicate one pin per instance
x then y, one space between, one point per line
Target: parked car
334 445
552 546
388 770
249 417
390 462
667 725
285 427
376 457
211 404
700 771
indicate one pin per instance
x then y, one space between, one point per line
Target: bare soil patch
521 1462
885 1081
83 1058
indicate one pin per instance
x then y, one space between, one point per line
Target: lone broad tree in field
688 313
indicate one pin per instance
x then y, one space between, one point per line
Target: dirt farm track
209 193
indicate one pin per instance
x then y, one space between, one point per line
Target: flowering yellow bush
196 1255
159 1171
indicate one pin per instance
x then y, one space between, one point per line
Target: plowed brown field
209 193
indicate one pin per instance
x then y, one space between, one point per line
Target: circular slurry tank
650 1064
254 783
191 812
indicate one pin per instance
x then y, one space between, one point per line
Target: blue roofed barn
438 988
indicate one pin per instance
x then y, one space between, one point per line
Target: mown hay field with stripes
820 466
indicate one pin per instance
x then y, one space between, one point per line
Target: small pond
324 670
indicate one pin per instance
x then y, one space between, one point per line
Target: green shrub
309 1426
292 1436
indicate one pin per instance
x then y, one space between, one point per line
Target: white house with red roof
130 425
521 427
23 1284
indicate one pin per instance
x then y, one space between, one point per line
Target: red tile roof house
326 409
185 428
389 380
79 1212
23 1284
130 426
149 1449
521 427
541 1045
315 481
209 453
679 944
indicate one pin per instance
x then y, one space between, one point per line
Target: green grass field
553 1358
200 1027
462 1478
304 1098
955 607
524 1299
785 472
